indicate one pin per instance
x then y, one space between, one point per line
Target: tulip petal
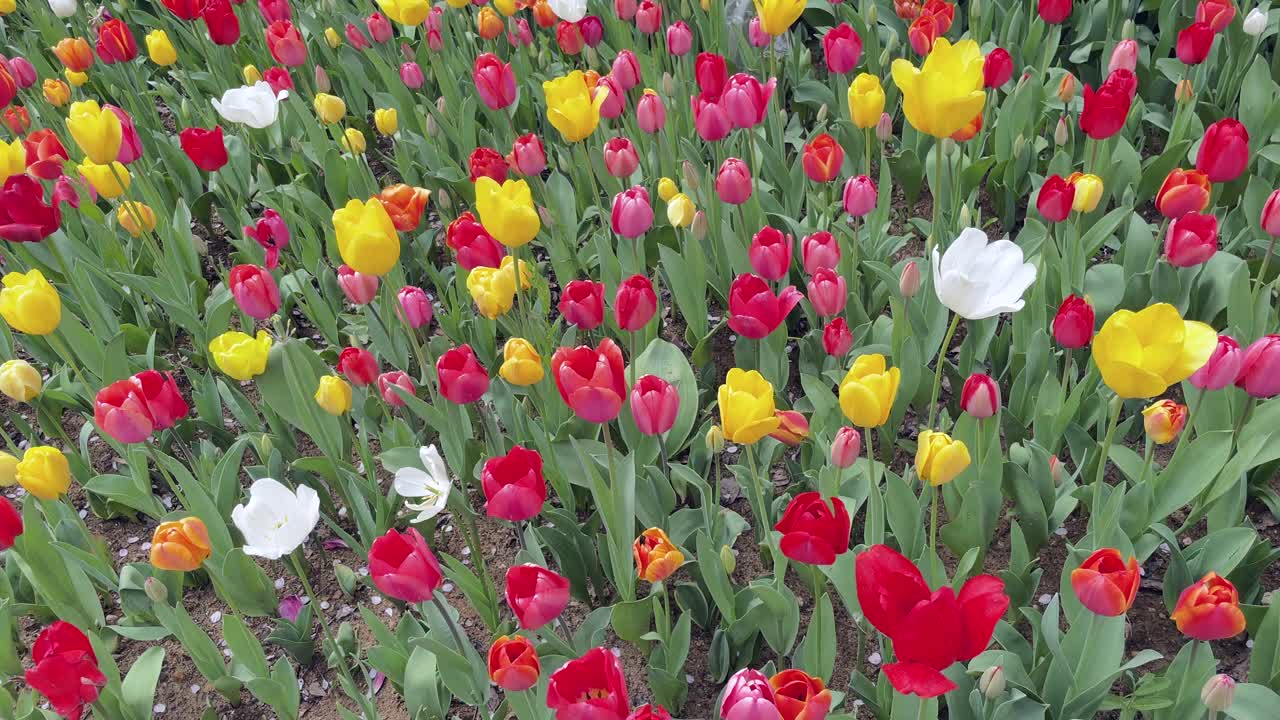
911 678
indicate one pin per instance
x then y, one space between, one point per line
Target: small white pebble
227 653
133 539
1045 599
324 604
123 552
376 599
448 587
146 546
1248 644
874 658
617 652
1164 548
279 583
159 708
1060 532
195 689
342 512
466 550
390 611
216 617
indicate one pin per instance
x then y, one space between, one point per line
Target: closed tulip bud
254 290
632 214
155 590
1218 693
329 108
681 211
19 380
1270 219
700 226
414 307
728 559
992 682
821 115
715 439
1062 132
1056 470
1224 152
691 176
884 128
359 288
1124 55
827 292
846 447
770 253
334 395
837 338
358 365
1073 324
909 280
939 458
654 405
651 113
859 196
1184 93
621 159
44 472
57 92
1067 88
1164 421
1255 23
445 200
433 128
251 75
322 80
668 84
667 189
521 363
366 236
1088 192
332 37
77 79
411 75
1222 367
635 303
390 384
980 397
386 120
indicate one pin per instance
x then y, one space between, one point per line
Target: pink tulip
528 157
757 36
254 290
733 182
654 405
748 696
389 381
649 17
616 102
770 253
679 39
626 70
625 9
746 99
710 117
859 196
827 292
1223 366
632 215
837 338
415 306
411 75
359 288
1271 214
846 447
620 157
1124 55
819 250
1191 240
1260 368
651 113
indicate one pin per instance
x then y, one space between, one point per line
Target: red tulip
943 12
1270 219
66 669
513 485
822 158
711 72
413 306
770 253
748 696
1054 11
185 9
1217 14
819 250
814 532
842 48
591 381
536 595
254 290
649 712
495 81
837 339
922 33
1183 191
358 365
130 410
625 9
649 17
592 30
359 288
10 524
221 21
116 42
733 182
620 157
591 686
278 78
24 215
1191 240
1106 583
746 99
654 405
513 663
273 10
754 311
130 143
1107 108
569 38
1224 151
997 68
635 303
980 396
473 244
1055 198
1194 43
1260 368
356 38
462 378
860 196
528 157
403 567
827 292
1073 325
1222 368
582 304
679 39
206 148
800 696
651 113
1209 609
487 162
271 233
45 154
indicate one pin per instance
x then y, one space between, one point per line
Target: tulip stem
936 197
1147 456
1066 371
1117 403
295 559
1262 271
937 373
757 491
448 619
933 534
866 134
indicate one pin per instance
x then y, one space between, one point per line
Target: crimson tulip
535 594
1183 191
17 119
1107 108
402 566
528 157
860 196
221 21
24 215
635 303
24 73
648 17
822 158
649 712
285 43
487 162
358 366
800 696
631 215
462 378
1073 324
1209 609
1055 198
1106 583
679 38
841 48
837 338
1054 12
1191 240
997 68
592 29
1217 14
271 233
389 382
206 148
1224 151
185 9
66 670
278 78
591 381
827 292
513 663
1270 219
819 250
254 290
582 304
1222 368
620 157
130 410
654 405
651 113
712 73
569 38
748 696
980 396
754 310
1260 368
1194 43
495 81
814 532
474 246
514 488
770 253
116 42
593 685
10 524
45 154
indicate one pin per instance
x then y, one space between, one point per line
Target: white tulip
1255 22
63 8
569 10
254 105
276 520
978 280
432 485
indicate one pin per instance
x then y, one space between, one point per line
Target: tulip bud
909 281
700 225
251 75
322 80
441 105
346 638
690 173
444 201
728 559
1067 88
1185 92
885 54
822 113
1062 133
155 590
1255 23
872 14
1055 470
965 216
1126 31
1218 693
715 439
668 84
980 396
992 682
433 128
1164 420
346 578
884 128
846 447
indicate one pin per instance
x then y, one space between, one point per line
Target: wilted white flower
276 520
978 279
254 105
432 484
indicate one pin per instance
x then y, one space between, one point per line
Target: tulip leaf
139 687
818 655
1253 702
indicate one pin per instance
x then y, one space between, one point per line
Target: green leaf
1253 702
139 687
819 654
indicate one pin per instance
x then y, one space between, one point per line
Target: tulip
977 279
620 157
846 447
634 304
273 10
1088 191
866 100
1224 152
1107 108
44 472
431 485
388 382
570 10
1073 324
110 181
997 68
1055 199
473 244
793 428
366 237
571 109
488 24
536 595
711 72
777 16
922 33
800 696
1191 240
754 310
859 197
271 233
251 74
1218 693
24 214
770 253
116 42
1124 55
1255 23
1183 191
1259 368
681 211
358 365
679 39
462 378
221 21
29 303
756 34
77 79
44 159
255 105
592 30
591 686
1141 354
1164 420
939 458
1222 368
206 148
827 292
654 404
651 114
8 470
56 92
130 143
513 663
96 130
1217 14
506 211
495 81
837 339
19 381
120 412
487 163
63 8
649 712
411 75
353 141
1106 583
980 397
386 120
180 545
528 157
513 485
613 99
404 204
74 54
582 304
1270 220
946 92
1054 12
521 363
591 381
254 290
746 407
329 108
626 70
814 532
748 696
710 117
733 182
819 250
656 557
841 48
631 215
10 524
65 667
1194 43
822 158
1209 609
909 280
240 356
868 390
333 395
648 17
285 43
746 99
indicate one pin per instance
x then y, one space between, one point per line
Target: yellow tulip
458 4
570 107
1141 354
521 363
868 390
866 100
19 380
330 108
44 472
939 458
334 395
715 439
507 211
777 16
1163 420
160 49
746 407
251 74
667 189
57 92
492 289
367 239
13 158
8 6
29 303
406 12
506 7
680 211
75 78
131 212
387 120
96 130
106 179
946 92
332 37
1088 191
353 141
240 356
8 469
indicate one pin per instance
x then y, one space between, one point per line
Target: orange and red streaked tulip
656 557
1209 609
1106 583
1183 191
513 663
822 159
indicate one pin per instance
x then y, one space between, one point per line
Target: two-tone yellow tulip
367 239
681 210
29 303
1088 191
96 130
1141 354
571 109
240 356
939 457
868 390
506 211
746 407
945 93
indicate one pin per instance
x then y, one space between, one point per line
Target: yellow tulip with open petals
507 211
868 390
367 239
406 12
96 130
945 93
240 356
746 407
29 303
1141 354
493 290
570 107
939 458
777 16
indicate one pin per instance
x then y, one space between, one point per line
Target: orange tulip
544 15
404 203
74 53
1209 609
513 663
180 545
800 696
488 24
655 555
1105 583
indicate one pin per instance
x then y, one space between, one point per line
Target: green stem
937 198
757 490
933 532
1066 372
1262 271
1116 404
866 134
448 619
1147 456
937 373
324 623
